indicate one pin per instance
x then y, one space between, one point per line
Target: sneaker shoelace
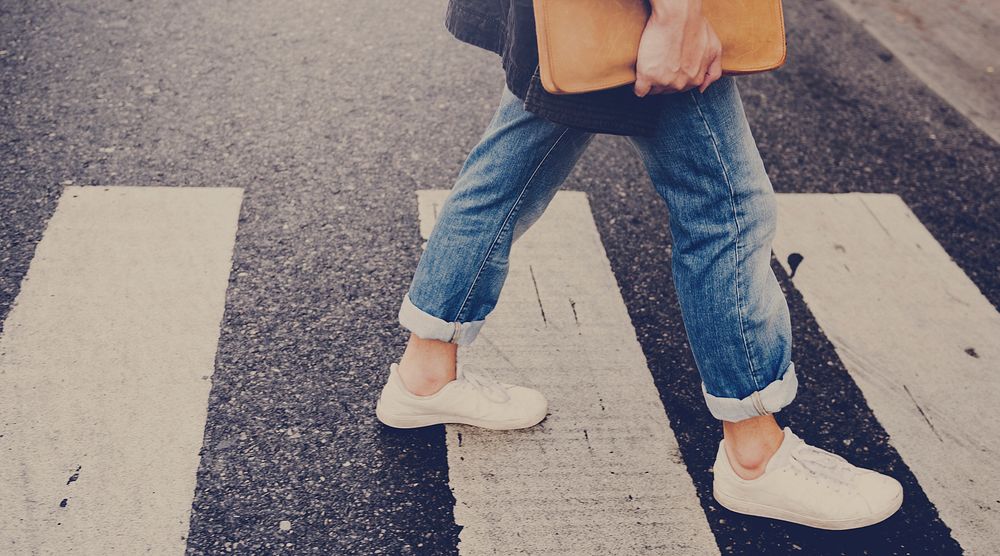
827 464
490 388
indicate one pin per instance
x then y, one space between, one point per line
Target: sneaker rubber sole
440 419
761 510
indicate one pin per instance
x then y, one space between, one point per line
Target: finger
642 87
714 72
706 63
714 68
707 53
678 85
697 81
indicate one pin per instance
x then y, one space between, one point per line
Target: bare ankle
746 467
421 384
750 444
427 365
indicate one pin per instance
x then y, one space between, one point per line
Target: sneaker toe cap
883 493
530 401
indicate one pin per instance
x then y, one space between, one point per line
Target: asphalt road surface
330 116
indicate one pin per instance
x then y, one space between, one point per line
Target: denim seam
503 227
736 251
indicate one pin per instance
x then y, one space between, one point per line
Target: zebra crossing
106 359
329 117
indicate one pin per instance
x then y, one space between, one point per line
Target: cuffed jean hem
429 327
771 399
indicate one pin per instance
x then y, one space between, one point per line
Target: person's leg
504 186
706 166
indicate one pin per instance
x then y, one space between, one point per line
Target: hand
678 50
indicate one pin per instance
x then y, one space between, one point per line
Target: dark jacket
507 27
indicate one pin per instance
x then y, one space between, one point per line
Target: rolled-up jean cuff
771 399
429 327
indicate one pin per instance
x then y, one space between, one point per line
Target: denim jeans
704 163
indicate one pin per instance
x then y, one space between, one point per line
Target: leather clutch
589 45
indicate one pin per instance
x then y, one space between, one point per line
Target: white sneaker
810 486
470 399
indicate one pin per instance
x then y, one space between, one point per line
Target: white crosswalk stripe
603 474
917 336
105 366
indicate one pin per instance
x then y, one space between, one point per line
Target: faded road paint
917 336
602 474
951 45
105 368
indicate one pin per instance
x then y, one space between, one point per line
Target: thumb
714 73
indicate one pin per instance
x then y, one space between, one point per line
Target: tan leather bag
588 45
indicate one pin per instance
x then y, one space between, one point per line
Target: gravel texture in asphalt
331 114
